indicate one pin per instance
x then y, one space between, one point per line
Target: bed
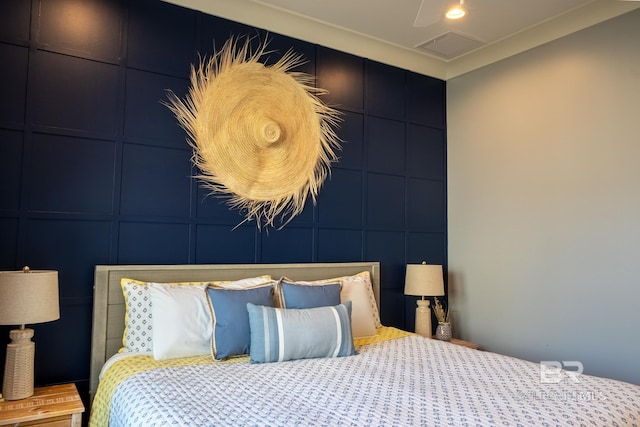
314 377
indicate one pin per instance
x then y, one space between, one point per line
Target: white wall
544 201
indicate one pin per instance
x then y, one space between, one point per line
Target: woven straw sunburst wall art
261 136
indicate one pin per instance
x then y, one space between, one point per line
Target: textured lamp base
18 369
423 318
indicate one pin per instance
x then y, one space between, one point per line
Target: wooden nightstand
463 343
54 406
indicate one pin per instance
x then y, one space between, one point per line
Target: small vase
443 331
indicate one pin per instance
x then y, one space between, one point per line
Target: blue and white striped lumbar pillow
279 334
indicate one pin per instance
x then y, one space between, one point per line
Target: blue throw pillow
231 333
279 334
309 296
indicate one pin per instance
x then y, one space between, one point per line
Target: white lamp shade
424 280
28 297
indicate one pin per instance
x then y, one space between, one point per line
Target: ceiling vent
450 44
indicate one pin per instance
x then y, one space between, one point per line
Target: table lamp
424 280
27 296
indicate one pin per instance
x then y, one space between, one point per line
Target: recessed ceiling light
456 12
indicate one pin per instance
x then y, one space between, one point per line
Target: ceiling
413 34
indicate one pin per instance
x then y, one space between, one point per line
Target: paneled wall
94 169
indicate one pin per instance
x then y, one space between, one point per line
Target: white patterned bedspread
403 382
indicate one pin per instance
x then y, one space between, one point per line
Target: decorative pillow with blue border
231 333
279 334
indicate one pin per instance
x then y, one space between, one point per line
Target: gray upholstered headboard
108 301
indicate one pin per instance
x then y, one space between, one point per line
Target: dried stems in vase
441 314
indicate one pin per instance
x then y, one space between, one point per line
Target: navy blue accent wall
95 170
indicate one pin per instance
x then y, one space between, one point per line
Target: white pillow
181 321
138 331
356 290
249 282
364 277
